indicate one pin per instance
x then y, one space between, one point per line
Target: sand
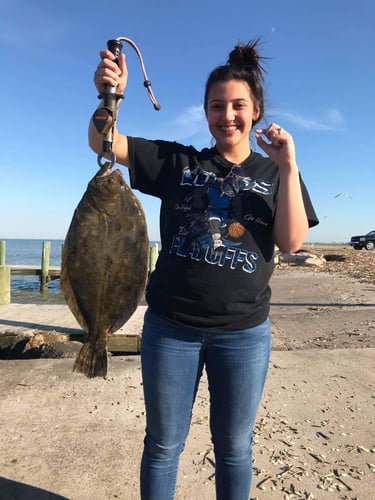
64 436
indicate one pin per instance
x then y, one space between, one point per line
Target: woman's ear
256 113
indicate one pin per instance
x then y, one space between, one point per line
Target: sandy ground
63 436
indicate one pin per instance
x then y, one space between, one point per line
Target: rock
61 350
302 259
38 345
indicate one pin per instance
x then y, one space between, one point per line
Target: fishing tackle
104 118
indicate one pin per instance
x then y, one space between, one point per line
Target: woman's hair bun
243 64
246 55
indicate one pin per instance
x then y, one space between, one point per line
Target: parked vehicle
367 241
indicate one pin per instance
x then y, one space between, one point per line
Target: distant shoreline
153 242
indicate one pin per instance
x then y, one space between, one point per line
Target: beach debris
38 344
95 409
334 257
338 259
314 459
104 264
322 435
301 259
261 484
209 457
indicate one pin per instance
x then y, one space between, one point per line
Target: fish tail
92 360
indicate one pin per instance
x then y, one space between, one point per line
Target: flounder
104 264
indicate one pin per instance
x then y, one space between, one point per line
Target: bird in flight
345 195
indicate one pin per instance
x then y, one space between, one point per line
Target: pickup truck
367 241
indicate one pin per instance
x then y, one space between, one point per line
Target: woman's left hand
280 147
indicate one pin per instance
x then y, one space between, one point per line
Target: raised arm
291 224
109 73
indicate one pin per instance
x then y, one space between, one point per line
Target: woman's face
230 114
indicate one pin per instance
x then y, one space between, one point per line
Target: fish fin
92 360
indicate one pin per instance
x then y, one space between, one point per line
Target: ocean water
26 289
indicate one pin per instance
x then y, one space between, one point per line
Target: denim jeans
173 358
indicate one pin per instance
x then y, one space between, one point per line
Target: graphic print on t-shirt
213 207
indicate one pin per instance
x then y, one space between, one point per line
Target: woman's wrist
289 169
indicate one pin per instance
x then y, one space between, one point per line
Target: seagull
345 195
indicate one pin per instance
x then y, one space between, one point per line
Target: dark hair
243 64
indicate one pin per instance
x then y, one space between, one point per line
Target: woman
222 211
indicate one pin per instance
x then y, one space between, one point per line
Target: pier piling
4 276
45 272
44 275
4 285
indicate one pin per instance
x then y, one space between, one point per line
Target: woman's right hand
109 73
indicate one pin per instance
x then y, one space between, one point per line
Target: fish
104 264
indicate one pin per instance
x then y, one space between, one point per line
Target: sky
319 87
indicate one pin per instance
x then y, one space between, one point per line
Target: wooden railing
45 272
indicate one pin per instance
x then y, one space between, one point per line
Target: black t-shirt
216 227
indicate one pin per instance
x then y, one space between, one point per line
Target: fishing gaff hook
104 118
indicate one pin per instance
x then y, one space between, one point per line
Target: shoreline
314 433
337 309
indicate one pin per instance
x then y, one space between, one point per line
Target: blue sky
319 86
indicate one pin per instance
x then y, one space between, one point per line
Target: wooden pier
52 272
44 271
44 323
33 320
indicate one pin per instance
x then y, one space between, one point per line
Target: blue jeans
173 358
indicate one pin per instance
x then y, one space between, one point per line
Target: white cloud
335 116
189 122
189 125
331 120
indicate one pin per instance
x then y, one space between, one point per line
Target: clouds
187 125
190 122
331 120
